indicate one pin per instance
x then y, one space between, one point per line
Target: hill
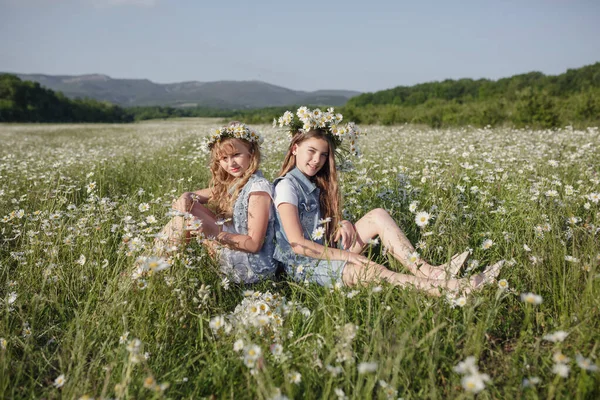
526 100
27 101
571 82
220 94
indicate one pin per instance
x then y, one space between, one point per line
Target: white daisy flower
318 233
60 381
367 367
422 219
531 298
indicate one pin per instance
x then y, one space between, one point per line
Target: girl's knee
379 213
183 203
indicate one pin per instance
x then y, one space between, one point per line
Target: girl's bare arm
306 247
259 204
202 196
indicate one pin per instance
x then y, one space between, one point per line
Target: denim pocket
307 206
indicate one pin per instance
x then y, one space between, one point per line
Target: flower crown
305 119
237 131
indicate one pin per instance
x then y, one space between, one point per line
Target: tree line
532 99
26 101
526 100
531 108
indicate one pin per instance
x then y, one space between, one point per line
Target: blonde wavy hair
330 199
225 187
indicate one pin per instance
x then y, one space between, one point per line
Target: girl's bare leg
378 222
356 274
179 229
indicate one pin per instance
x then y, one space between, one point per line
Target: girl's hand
221 236
347 233
358 259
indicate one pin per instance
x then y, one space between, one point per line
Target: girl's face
311 155
236 158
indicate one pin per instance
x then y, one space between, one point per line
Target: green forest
532 99
527 100
26 101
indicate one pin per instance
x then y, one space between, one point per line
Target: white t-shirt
285 192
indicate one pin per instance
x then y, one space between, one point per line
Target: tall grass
80 203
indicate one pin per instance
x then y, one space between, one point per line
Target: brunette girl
308 223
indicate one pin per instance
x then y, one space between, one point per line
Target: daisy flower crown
305 119
237 131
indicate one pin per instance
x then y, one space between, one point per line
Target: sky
365 45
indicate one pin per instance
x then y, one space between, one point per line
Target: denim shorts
322 272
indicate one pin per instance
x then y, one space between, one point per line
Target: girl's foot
489 275
456 263
445 271
164 245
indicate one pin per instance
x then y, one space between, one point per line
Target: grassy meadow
81 316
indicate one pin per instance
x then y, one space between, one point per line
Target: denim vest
309 213
250 267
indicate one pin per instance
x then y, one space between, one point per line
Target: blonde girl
234 214
307 201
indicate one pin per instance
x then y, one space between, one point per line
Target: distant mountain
220 94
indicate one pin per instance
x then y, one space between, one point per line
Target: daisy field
87 311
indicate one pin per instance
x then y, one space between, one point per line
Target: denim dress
300 267
240 266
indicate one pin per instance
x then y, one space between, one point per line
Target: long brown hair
222 182
330 200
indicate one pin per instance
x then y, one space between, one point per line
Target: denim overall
300 267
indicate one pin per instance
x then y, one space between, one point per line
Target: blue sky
304 45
